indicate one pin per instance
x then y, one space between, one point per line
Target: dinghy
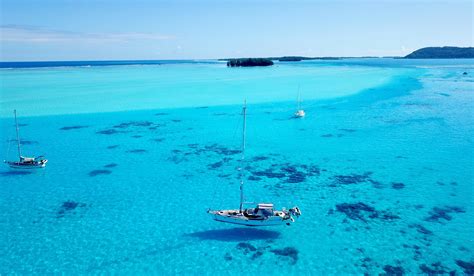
263 214
25 162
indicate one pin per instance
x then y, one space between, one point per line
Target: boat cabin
263 210
27 159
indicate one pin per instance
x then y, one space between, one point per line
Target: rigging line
9 146
233 138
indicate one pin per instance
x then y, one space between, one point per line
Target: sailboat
299 112
263 214
25 162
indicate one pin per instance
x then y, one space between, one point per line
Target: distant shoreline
423 53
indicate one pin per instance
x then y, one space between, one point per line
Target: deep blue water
381 167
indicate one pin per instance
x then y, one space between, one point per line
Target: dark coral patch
288 173
110 131
68 206
289 252
256 255
221 150
161 114
112 146
137 151
246 247
111 165
216 165
296 177
376 184
176 121
269 174
158 139
355 211
227 257
352 179
28 142
393 270
443 213
327 135
134 124
347 130
362 211
421 229
467 267
72 127
435 269
289 169
398 185
137 136
24 142
99 172
259 158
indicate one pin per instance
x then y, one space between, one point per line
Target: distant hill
249 62
443 52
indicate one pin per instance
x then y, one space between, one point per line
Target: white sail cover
265 206
27 159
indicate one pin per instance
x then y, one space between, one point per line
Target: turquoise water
381 167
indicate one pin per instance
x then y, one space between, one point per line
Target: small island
249 62
442 52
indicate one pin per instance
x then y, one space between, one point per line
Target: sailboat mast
242 165
299 98
17 135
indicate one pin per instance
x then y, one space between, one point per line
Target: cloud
34 34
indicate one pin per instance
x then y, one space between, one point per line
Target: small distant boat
25 162
263 214
299 112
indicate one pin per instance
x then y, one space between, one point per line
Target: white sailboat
299 111
25 162
263 214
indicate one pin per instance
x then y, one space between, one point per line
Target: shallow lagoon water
381 171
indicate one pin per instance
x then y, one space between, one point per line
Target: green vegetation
248 62
443 52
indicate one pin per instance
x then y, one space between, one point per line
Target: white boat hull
241 219
300 114
16 165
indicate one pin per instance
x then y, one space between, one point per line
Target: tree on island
248 62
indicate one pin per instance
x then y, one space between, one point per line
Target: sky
32 30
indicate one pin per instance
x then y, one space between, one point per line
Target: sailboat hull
26 163
19 165
300 113
235 217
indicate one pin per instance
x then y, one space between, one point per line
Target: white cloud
33 34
